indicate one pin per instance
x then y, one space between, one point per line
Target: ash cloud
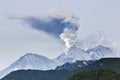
58 24
53 27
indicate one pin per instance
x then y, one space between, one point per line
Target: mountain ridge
39 62
74 65
64 74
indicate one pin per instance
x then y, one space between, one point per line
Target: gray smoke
58 24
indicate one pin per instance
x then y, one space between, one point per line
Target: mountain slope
73 54
96 74
104 74
109 63
76 53
38 75
101 52
34 61
30 61
75 65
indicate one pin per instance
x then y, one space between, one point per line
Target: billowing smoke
58 24
69 33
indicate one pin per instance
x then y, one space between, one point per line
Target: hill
96 74
37 75
109 63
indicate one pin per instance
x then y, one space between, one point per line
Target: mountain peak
30 61
73 54
100 52
32 55
101 47
98 48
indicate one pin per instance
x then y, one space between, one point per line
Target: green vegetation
96 74
108 63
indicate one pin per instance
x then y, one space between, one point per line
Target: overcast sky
17 38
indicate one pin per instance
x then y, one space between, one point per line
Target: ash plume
69 33
58 24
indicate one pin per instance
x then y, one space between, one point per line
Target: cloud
93 40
